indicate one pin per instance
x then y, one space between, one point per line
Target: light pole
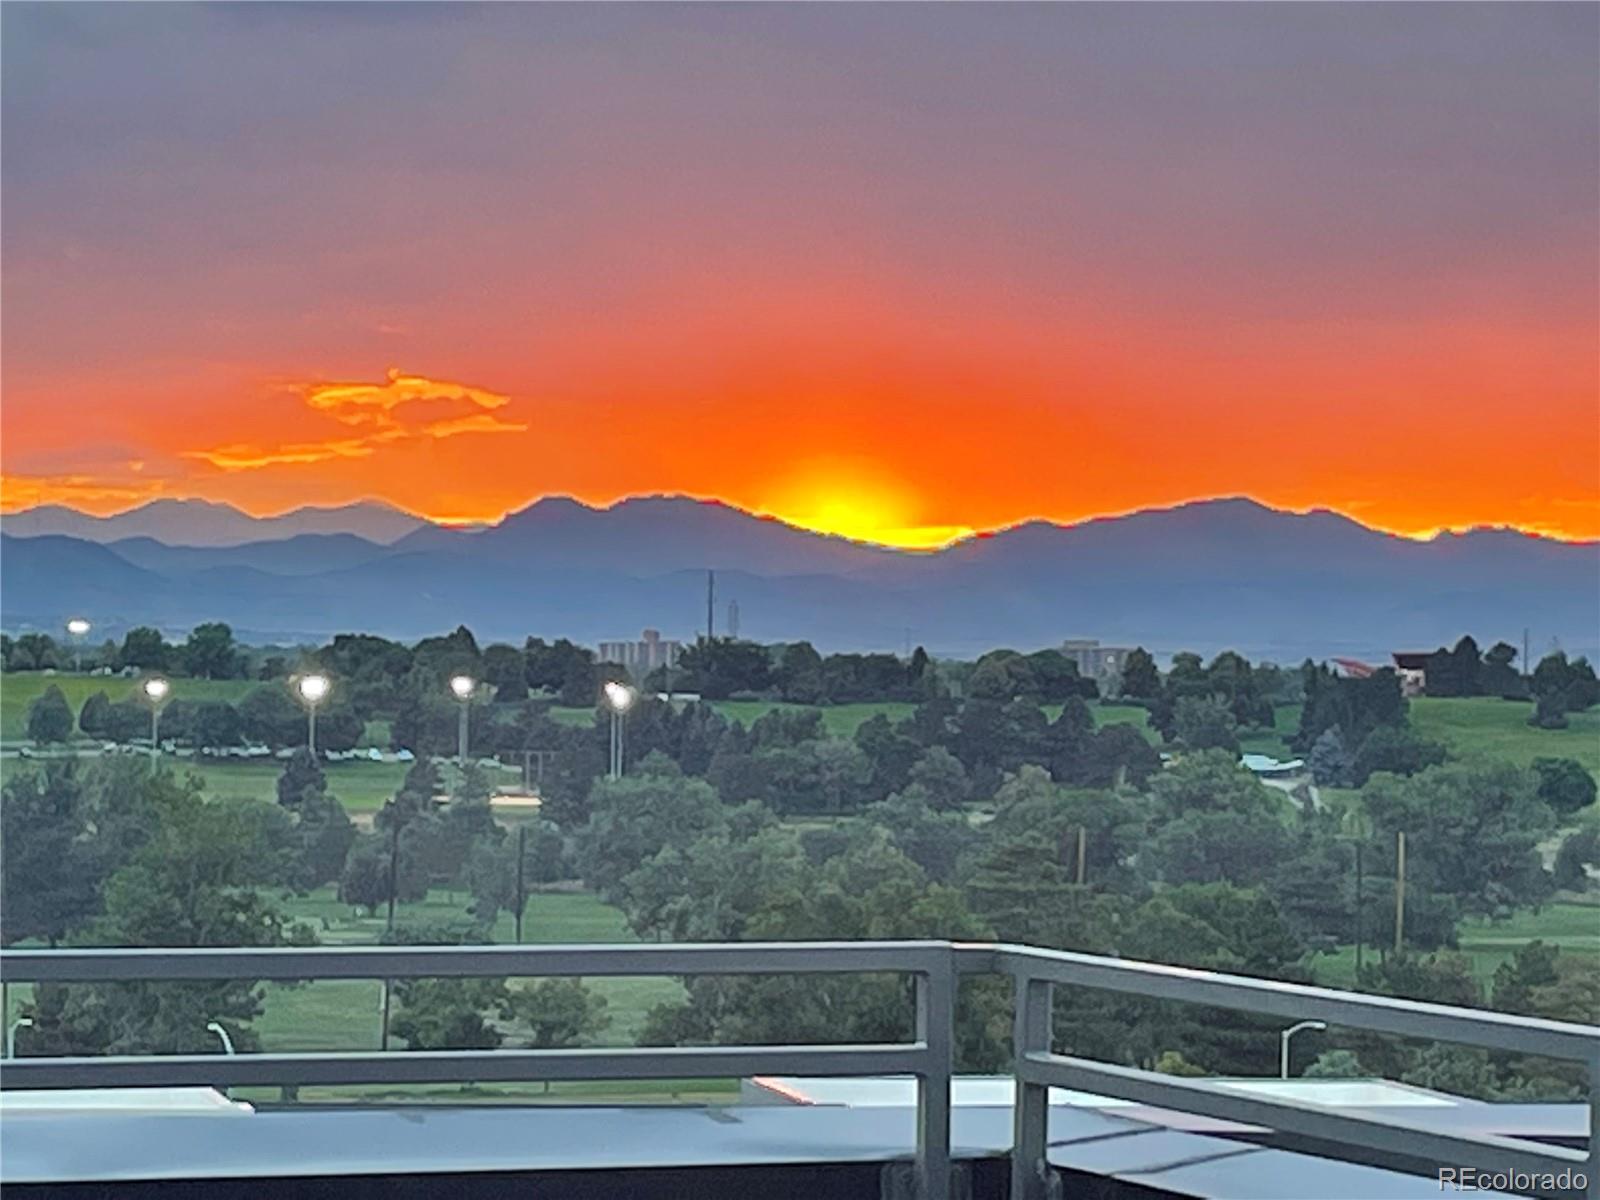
155 691
463 686
78 629
11 1034
1283 1043
312 690
619 698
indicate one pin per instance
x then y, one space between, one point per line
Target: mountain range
1206 576
205 523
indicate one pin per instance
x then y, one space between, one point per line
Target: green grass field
1488 727
1573 927
344 1014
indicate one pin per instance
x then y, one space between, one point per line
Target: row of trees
209 652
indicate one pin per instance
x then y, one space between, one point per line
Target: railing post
1591 1168
1031 1106
936 1014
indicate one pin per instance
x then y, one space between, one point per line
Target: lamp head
313 689
463 686
77 627
156 689
618 695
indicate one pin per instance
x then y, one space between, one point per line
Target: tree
94 718
1140 679
1330 762
36 651
364 882
1564 785
269 716
799 674
210 653
1395 749
718 667
942 779
1456 672
194 883
450 1014
1336 1064
1498 675
144 648
559 1012
47 885
1119 755
550 666
215 724
634 818
491 878
1205 723
322 832
932 837
505 671
1473 832
1578 852
50 717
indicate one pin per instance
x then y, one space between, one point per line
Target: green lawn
1488 727
1573 927
344 1013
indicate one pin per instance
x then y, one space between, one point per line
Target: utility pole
1083 838
522 857
711 605
1360 903
1527 667
394 875
1399 890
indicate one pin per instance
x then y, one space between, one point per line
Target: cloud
352 402
85 492
401 408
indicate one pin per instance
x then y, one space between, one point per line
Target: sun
854 500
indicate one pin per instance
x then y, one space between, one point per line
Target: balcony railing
933 966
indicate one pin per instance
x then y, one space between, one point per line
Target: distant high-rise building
643 656
733 618
1094 660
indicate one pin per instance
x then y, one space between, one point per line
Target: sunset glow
936 270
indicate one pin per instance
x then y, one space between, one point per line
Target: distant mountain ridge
206 523
1205 576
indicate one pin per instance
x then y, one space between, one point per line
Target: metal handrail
934 967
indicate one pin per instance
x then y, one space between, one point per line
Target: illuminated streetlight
619 698
463 686
77 629
1283 1043
312 690
155 691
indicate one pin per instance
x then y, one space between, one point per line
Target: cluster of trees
209 652
267 716
1560 687
1204 705
1202 866
114 852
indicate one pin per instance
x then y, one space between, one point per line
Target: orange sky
896 274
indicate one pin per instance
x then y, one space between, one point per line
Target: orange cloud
376 407
87 492
349 402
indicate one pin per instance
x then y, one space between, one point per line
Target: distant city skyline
894 272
